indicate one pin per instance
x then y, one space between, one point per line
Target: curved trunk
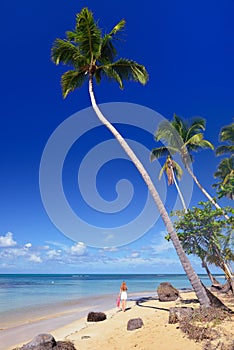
192 276
205 192
229 275
211 277
178 190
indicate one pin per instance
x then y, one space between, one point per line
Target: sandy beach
156 332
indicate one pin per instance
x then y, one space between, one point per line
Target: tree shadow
189 301
139 302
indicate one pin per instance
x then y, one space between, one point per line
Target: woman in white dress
123 295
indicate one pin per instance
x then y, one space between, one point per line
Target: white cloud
28 245
53 253
78 248
7 240
135 255
35 258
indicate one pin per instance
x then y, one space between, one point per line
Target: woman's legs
123 304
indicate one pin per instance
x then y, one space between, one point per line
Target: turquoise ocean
33 304
20 291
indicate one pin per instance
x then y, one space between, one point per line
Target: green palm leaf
66 52
226 135
108 51
161 152
223 149
177 170
88 35
110 73
196 142
72 80
130 70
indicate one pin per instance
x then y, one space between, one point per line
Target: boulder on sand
166 292
96 316
134 323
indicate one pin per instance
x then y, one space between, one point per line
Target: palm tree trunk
211 277
205 192
178 190
229 275
191 274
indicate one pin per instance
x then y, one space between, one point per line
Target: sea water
20 291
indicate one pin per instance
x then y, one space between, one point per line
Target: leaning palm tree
173 171
92 56
183 137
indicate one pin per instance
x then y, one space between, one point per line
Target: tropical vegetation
205 233
225 169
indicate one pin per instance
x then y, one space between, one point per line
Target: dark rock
166 292
40 342
96 316
176 314
134 323
47 342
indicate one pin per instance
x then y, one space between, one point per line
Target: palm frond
169 135
223 149
108 51
197 141
130 70
109 73
63 51
88 35
161 152
161 171
227 133
71 80
180 126
177 170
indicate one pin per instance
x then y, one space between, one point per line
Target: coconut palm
173 170
226 135
92 56
225 170
183 137
225 173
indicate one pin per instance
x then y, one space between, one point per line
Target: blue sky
188 51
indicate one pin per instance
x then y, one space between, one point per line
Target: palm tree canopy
181 136
91 54
226 135
225 175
